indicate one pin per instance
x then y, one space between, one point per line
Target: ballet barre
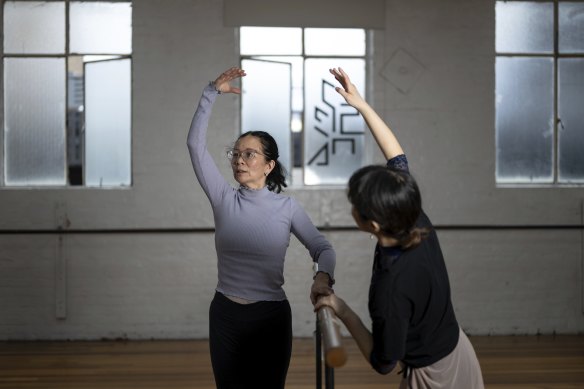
328 346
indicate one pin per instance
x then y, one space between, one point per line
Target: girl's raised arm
383 135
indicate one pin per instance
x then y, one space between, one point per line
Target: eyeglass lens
246 155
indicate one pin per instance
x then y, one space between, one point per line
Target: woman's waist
247 296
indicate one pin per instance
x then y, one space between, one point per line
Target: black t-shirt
410 304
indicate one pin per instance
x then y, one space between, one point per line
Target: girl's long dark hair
276 180
392 199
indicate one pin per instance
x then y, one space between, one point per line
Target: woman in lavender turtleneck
250 322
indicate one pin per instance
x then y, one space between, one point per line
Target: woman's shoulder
292 204
278 199
288 201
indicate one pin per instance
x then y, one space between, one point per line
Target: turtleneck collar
248 192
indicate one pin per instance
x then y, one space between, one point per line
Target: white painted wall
118 274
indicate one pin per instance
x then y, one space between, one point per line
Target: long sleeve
205 168
319 248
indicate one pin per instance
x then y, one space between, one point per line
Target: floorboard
508 362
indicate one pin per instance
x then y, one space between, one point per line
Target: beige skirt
458 370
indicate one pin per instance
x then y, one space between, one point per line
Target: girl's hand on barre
336 303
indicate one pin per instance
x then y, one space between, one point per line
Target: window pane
297 63
267 85
270 41
524 27
34 127
571 130
524 120
100 28
34 27
334 41
571 21
333 131
108 123
75 117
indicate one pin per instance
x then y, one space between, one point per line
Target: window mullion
556 145
67 92
303 116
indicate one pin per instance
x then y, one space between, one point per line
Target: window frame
555 55
65 55
296 175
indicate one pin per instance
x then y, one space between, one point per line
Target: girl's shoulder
399 162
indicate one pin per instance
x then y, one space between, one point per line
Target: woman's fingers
233 73
222 82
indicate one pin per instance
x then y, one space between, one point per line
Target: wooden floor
515 362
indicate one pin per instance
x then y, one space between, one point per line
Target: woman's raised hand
348 90
222 83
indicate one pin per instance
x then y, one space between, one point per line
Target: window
539 92
67 93
289 92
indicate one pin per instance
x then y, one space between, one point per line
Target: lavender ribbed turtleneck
252 227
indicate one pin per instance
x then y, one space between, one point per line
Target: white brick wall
159 285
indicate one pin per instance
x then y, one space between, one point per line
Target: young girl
413 321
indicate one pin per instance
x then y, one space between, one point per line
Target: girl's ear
374 226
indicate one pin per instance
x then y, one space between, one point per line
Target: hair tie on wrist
212 83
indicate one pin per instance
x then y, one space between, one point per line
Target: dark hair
392 199
276 180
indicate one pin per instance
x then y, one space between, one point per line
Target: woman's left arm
321 251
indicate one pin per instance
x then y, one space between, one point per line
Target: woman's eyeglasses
247 155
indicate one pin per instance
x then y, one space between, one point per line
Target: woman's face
251 172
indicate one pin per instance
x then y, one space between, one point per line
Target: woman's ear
271 166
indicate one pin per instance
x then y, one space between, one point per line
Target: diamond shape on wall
402 70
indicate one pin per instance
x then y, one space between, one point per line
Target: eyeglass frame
233 155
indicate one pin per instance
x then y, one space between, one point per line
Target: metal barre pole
327 329
318 349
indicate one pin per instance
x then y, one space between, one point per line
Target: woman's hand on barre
336 303
320 287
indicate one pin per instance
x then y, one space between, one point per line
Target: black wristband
212 83
331 282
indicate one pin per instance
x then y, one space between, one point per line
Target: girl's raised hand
348 90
